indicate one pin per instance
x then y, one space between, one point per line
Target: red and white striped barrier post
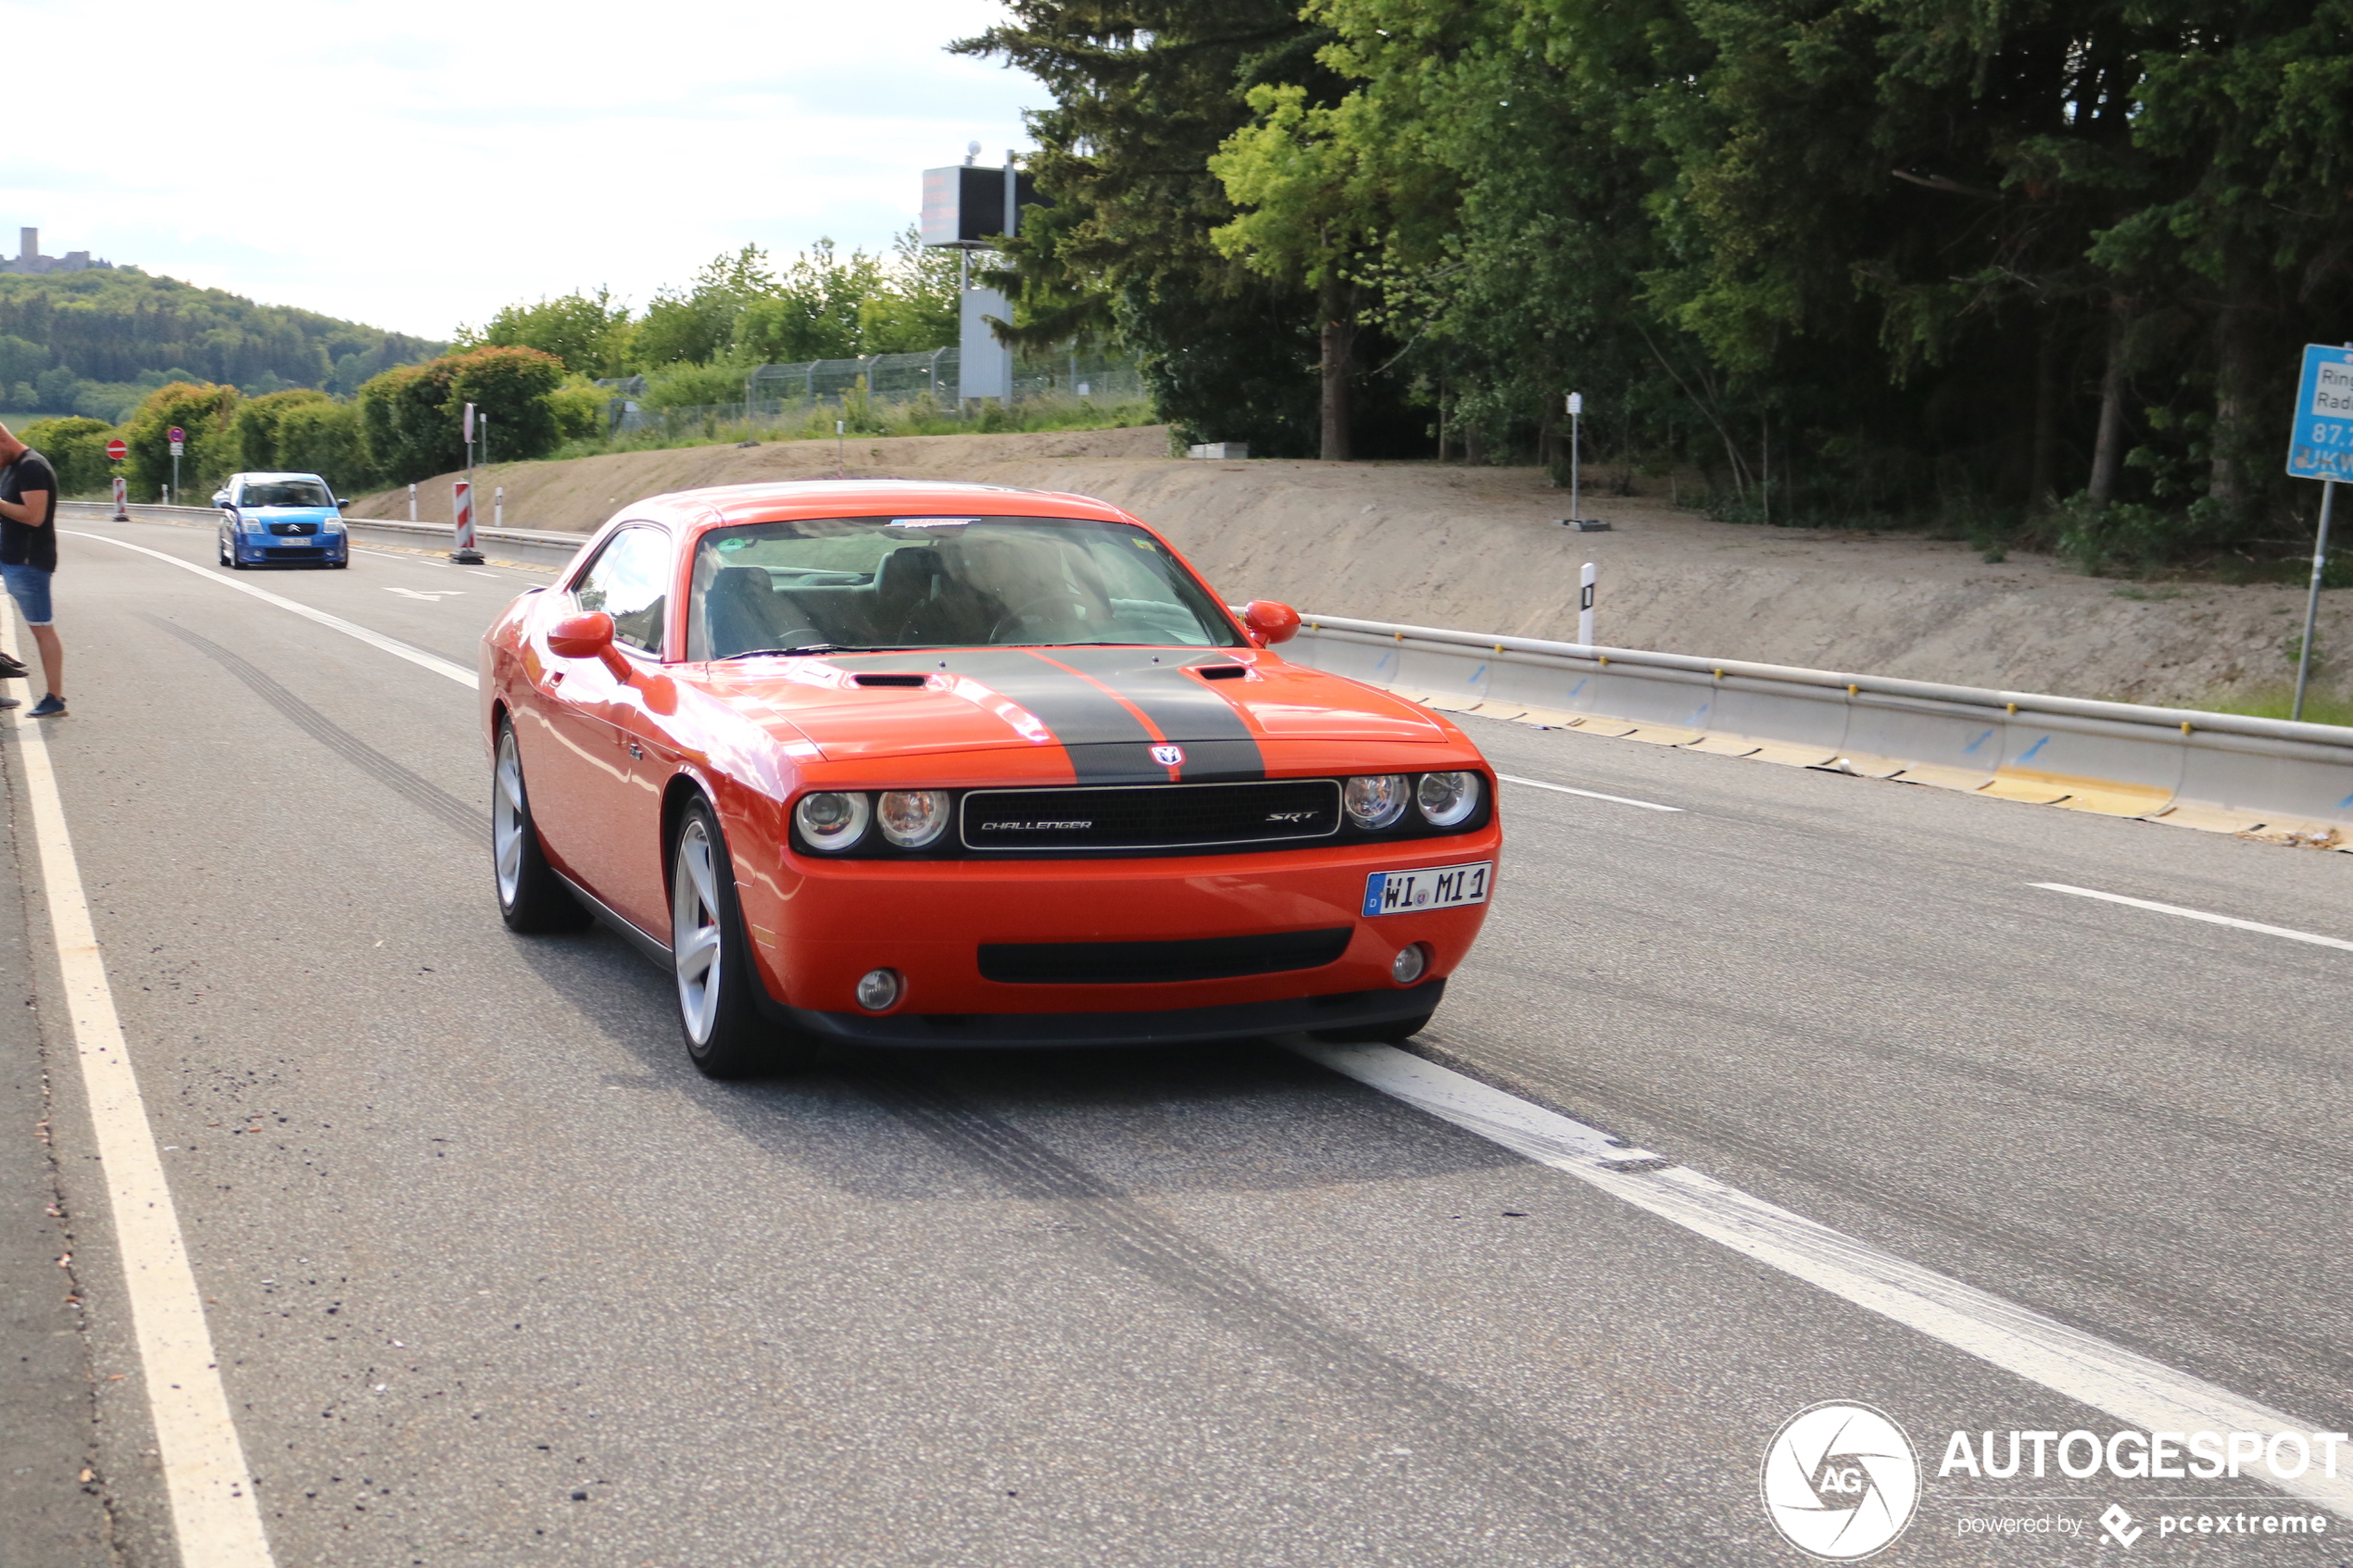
122 500
464 550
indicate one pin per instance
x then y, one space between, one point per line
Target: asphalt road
494 1277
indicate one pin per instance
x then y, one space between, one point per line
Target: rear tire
711 962
533 899
1395 1033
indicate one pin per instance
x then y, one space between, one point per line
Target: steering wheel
1010 621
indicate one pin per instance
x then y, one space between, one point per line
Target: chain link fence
777 396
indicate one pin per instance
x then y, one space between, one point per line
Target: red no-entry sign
117 451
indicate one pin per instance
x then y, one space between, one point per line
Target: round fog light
878 989
1405 968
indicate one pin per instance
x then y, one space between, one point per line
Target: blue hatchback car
281 520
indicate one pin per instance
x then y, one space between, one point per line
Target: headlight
1375 800
831 822
1447 799
912 817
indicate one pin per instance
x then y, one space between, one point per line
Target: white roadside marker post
412 503
1576 419
1585 605
122 499
463 551
462 507
498 506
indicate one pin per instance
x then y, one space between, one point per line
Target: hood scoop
879 678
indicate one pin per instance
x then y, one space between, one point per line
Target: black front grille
1142 963
290 552
1151 816
290 529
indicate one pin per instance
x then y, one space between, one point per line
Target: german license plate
1433 888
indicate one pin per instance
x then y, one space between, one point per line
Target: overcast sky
418 165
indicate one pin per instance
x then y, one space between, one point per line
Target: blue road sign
2320 446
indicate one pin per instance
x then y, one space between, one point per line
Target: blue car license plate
1433 888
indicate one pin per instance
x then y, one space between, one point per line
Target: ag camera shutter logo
1841 1480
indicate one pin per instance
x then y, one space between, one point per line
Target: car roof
773 501
289 475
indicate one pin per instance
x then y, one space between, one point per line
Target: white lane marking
431 597
1588 794
213 1511
2290 933
2083 1367
418 657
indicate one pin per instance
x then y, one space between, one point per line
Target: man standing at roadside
28 555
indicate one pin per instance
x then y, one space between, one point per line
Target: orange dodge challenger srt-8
897 763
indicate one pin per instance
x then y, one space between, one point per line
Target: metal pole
1575 420
175 472
1585 605
2312 600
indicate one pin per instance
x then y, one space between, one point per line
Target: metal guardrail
2221 771
2227 771
529 547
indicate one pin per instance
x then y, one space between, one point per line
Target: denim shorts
29 585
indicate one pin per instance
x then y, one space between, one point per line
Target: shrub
201 409
411 419
256 425
76 448
322 437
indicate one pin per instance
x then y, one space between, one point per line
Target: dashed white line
2144 1393
2288 932
1588 794
391 645
214 1514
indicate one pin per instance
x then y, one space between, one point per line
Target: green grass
866 420
2319 707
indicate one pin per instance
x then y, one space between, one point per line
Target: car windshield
825 584
286 493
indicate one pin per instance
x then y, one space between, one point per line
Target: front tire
725 1035
533 899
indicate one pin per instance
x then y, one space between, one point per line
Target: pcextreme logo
1840 1480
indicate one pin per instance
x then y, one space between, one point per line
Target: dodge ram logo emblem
1168 756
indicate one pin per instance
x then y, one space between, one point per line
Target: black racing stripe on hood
1186 710
1105 741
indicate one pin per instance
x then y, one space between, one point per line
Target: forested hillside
2040 269
97 342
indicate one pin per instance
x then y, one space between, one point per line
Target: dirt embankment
1480 549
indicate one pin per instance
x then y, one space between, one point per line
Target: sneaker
7 702
50 706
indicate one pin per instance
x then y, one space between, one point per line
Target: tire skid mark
2232 1322
1534 1462
467 819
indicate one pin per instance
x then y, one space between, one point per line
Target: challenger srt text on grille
1034 827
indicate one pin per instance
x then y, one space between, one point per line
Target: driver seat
739 611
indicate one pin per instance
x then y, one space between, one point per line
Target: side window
630 581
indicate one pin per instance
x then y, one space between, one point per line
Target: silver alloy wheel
508 820
693 931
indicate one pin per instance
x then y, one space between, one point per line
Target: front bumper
1230 1021
272 549
816 927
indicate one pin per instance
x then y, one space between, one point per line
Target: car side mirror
340 504
588 636
1269 623
222 499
